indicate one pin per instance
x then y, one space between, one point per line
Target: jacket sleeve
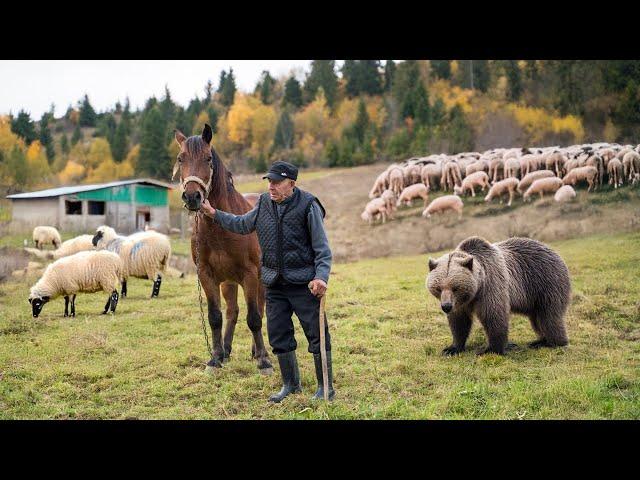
320 243
242 224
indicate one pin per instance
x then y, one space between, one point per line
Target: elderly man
295 255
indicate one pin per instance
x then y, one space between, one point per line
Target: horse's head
195 163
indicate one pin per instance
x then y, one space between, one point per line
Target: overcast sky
33 85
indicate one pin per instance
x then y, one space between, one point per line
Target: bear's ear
432 264
467 262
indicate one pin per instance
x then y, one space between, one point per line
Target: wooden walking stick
323 347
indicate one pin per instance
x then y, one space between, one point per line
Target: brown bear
517 275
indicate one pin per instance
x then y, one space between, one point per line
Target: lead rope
204 326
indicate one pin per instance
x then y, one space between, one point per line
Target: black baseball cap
282 170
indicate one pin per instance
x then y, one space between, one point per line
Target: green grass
147 361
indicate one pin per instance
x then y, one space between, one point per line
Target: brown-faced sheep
565 194
476 179
581 174
532 177
443 204
542 186
42 235
375 208
508 185
419 190
85 272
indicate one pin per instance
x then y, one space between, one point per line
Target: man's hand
207 209
318 287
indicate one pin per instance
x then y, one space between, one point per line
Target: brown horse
226 259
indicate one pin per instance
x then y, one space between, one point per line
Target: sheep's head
37 303
103 235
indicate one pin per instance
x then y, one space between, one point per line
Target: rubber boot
317 360
290 376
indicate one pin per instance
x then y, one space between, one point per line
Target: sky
33 85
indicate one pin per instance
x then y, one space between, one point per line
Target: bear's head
451 279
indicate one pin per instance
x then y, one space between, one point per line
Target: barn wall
29 213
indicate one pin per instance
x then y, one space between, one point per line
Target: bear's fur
490 281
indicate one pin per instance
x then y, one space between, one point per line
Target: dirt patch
344 197
11 259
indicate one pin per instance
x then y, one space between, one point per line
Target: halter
193 178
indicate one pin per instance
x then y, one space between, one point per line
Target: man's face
279 190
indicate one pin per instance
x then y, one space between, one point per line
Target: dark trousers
283 300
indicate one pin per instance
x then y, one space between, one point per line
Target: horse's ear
207 134
179 137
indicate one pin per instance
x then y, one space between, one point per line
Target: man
296 261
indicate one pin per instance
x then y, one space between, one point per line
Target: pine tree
208 90
361 124
228 90
64 144
362 76
126 117
119 143
87 113
46 139
106 127
212 112
17 166
389 73
292 93
284 132
514 80
167 107
438 112
118 108
223 79
23 126
154 157
441 69
184 122
77 135
481 75
265 87
322 75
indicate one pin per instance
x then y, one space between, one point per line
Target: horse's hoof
266 371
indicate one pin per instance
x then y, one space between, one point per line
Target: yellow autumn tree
132 156
72 174
106 171
39 170
8 139
263 129
240 117
78 155
199 125
314 119
99 152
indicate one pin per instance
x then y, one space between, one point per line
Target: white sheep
508 185
373 209
396 180
529 178
615 172
44 234
444 203
82 272
68 247
379 186
144 254
579 174
565 194
542 186
418 190
475 179
389 201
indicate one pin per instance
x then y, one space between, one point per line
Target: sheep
500 188
396 180
43 235
451 175
532 177
543 185
431 175
481 165
476 179
565 194
579 174
380 185
144 254
631 164
555 162
615 172
597 162
389 201
419 190
374 208
411 174
68 247
495 167
444 203
85 272
512 168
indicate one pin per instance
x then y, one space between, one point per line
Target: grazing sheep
477 166
411 174
597 162
85 272
419 190
532 177
431 175
144 254
389 201
380 185
396 180
542 186
512 168
373 209
579 174
68 247
631 164
495 167
565 194
43 235
476 179
444 203
615 172
451 175
508 185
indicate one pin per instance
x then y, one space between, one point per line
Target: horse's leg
212 291
254 297
230 294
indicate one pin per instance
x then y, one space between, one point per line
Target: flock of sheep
504 172
100 262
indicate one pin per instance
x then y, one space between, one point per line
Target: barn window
73 207
96 208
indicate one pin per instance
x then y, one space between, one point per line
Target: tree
17 166
223 79
77 135
167 107
441 69
481 76
460 133
64 144
212 112
119 143
361 124
228 92
87 113
154 156
362 76
106 127
514 80
24 127
323 75
265 87
389 73
45 137
208 89
292 93
284 131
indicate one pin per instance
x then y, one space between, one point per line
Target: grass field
147 361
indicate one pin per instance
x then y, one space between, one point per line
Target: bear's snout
446 307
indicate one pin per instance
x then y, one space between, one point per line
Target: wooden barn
126 205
